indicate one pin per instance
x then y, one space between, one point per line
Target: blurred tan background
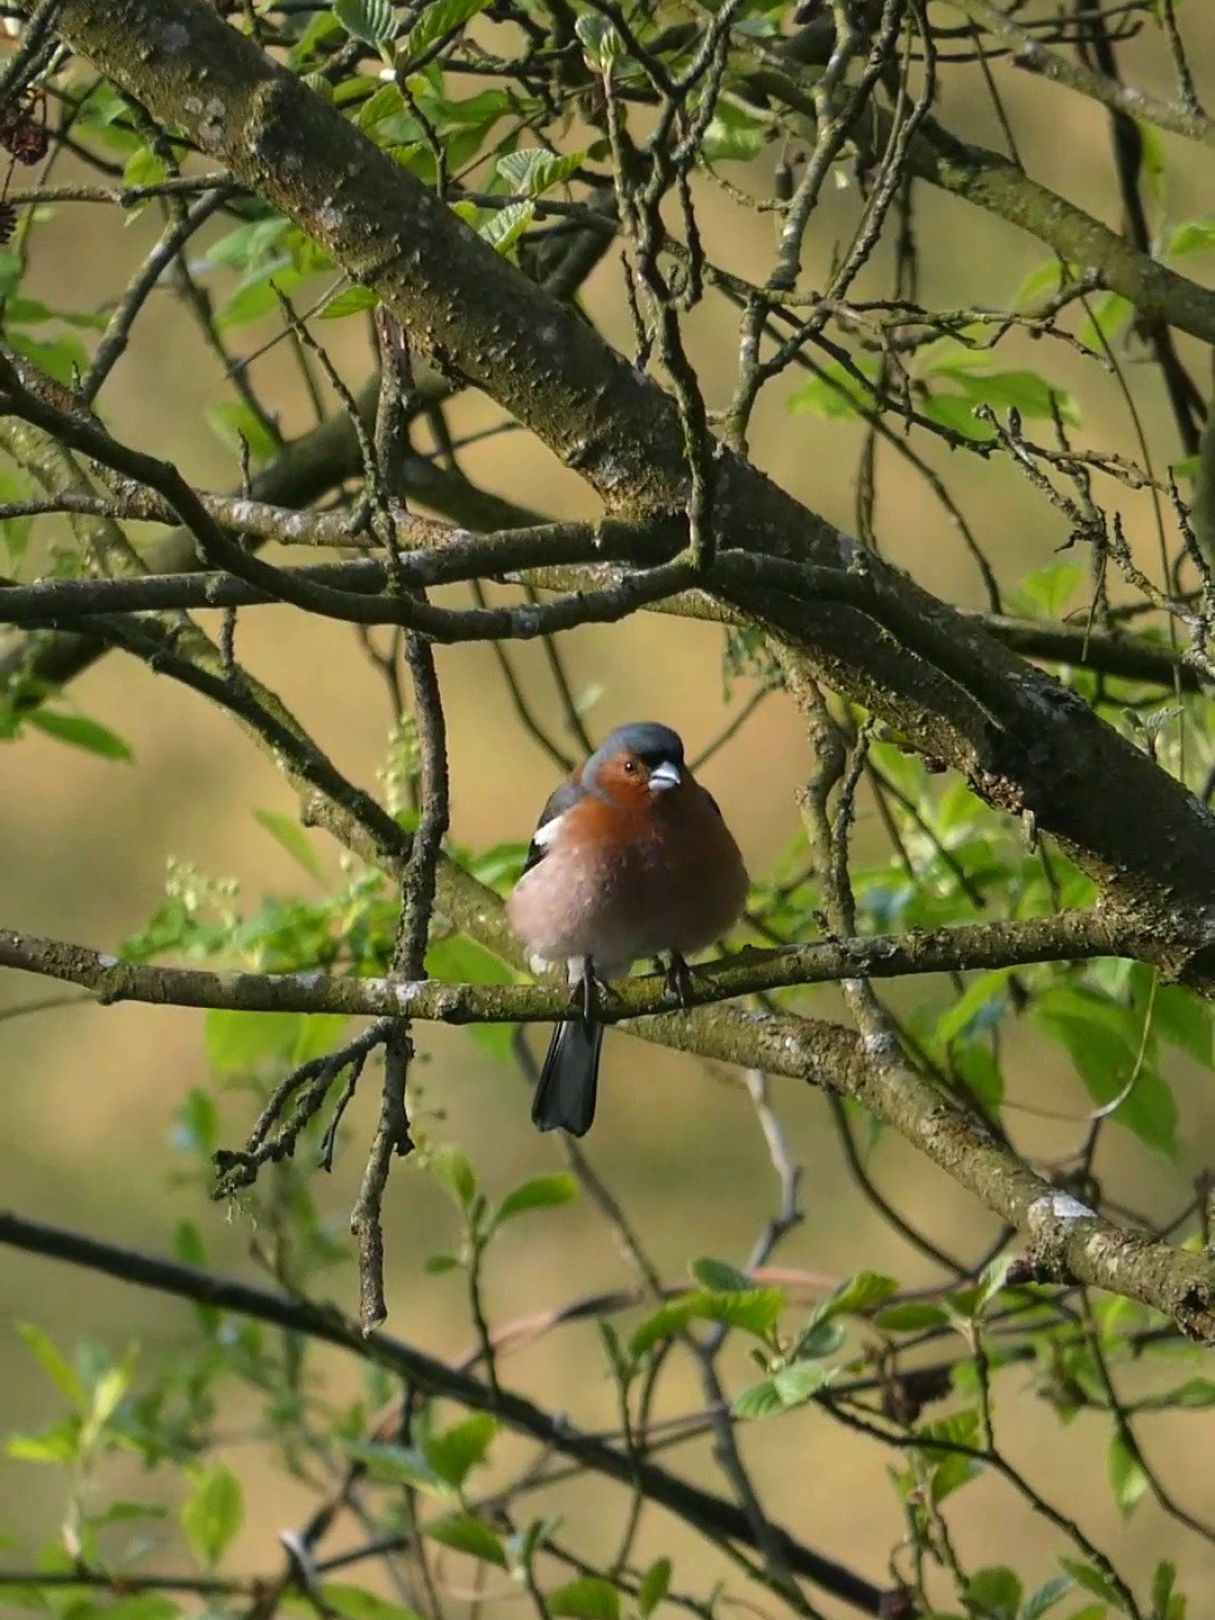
89 1094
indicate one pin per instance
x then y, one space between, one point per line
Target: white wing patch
548 833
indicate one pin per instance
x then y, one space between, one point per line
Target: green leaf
398 1465
1092 1580
234 423
541 1192
1111 312
106 1395
720 1277
1185 1021
458 1450
599 39
213 1513
350 301
436 1264
856 1295
1164 1578
791 1386
530 171
655 1584
910 1318
1045 1598
1128 1481
835 394
995 1593
196 1127
505 226
1103 1040
354 1603
137 1606
59 1444
285 830
733 136
241 1043
974 1012
758 1401
464 1533
455 1172
1192 236
90 735
61 1373
755 1309
372 21
1047 592
460 960
587 1598
436 22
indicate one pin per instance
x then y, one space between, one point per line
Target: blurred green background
90 1093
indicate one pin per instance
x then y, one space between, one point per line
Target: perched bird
631 858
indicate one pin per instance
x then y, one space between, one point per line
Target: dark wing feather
559 802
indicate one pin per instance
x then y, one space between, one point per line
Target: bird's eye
630 766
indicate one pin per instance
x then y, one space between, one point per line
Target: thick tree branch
1069 936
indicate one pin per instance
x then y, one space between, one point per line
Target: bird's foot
679 979
589 992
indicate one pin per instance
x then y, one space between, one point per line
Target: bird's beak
665 775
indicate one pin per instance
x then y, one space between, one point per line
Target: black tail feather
565 1096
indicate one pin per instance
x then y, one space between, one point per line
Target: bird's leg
678 979
588 990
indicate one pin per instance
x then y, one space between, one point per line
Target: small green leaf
1092 1580
241 1043
599 39
398 1465
234 424
288 832
354 1603
436 22
1103 1039
802 1381
530 171
720 1277
860 1293
506 225
61 1373
58 1444
350 301
1164 1579
655 1584
436 1264
1128 1481
995 1593
455 1172
90 735
541 1192
1192 236
587 1598
1045 1598
759 1401
464 1533
910 1318
458 1450
213 1513
372 21
755 1309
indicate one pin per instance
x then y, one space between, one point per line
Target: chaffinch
631 858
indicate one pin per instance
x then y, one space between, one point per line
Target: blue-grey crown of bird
651 742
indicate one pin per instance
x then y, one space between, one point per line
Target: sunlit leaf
213 1513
